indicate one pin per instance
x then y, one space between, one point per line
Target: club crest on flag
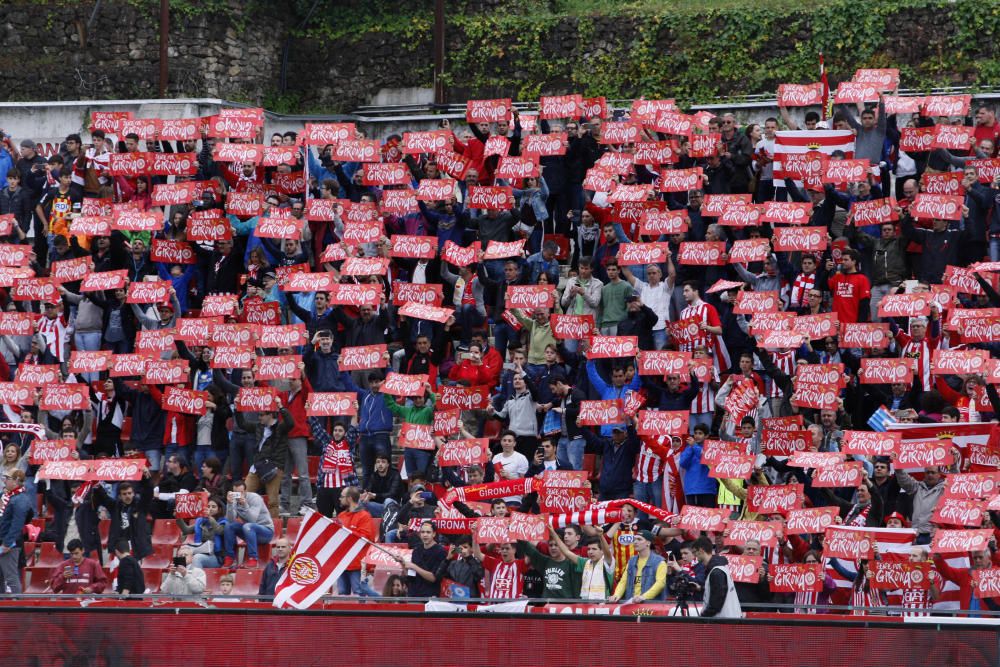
303 569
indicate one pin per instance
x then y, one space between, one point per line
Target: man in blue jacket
617 389
618 452
374 419
16 514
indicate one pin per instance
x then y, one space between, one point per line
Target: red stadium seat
126 429
590 465
313 466
37 579
49 556
247 582
563 243
292 529
166 531
212 576
161 558
491 430
29 553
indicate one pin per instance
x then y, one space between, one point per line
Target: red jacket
184 424
69 578
469 374
360 522
297 407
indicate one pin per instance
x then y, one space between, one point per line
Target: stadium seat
212 576
166 531
37 579
590 465
49 556
126 429
491 430
292 529
247 582
162 557
29 553
39 522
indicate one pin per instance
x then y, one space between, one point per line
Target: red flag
322 550
826 86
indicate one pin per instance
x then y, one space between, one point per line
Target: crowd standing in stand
617 355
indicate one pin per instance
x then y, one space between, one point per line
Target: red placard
613 347
398 384
219 305
529 297
504 249
873 212
362 357
839 172
385 173
245 204
810 521
849 543
128 365
946 105
150 291
320 134
166 371
870 443
287 335
886 370
357 150
854 92
191 505
233 356
65 397
571 327
14 255
786 212
784 443
15 323
800 95
744 569
776 499
702 253
108 121
446 422
741 215
258 311
704 145
703 518
960 541
70 270
560 106
888 575
811 459
844 475
413 247
487 111
424 294
243 153
958 362
186 401
947 183
752 303
916 139
594 107
424 312
496 145
959 512
976 485
435 189
816 327
416 436
797 577
799 239
490 198
464 398
51 450
474 451
986 582
661 422
600 413
278 367
278 155
616 133
936 207
733 466
924 453
453 164
172 252
865 335
415 143
662 362
332 404
741 532
545 145
905 305
655 222
633 254
257 399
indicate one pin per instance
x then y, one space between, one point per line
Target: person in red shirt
359 521
472 372
851 290
987 126
298 391
79 574
506 572
491 357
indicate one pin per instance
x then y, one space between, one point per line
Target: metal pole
439 92
164 40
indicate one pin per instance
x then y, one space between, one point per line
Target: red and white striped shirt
649 464
705 400
706 314
506 579
918 599
922 351
336 465
54 332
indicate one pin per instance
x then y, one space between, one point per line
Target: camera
682 586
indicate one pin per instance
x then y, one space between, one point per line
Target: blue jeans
659 339
372 444
503 333
203 561
377 510
240 451
417 460
155 458
704 418
570 452
649 492
90 341
350 583
251 533
468 318
571 345
994 249
494 269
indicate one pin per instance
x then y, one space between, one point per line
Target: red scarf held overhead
661 514
507 487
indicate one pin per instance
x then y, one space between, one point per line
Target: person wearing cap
33 174
639 321
618 458
645 577
896 520
180 277
17 510
721 600
158 316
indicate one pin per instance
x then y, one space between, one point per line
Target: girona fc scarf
661 514
592 517
507 487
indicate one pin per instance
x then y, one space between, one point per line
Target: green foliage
692 50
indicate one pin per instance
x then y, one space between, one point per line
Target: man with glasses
925 494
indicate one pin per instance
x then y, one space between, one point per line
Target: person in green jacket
540 335
562 577
420 413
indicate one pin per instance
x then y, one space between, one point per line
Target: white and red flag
800 142
322 551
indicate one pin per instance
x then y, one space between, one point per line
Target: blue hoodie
696 479
373 415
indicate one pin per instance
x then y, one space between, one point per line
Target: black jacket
18 203
129 522
130 576
639 324
270 578
275 447
385 487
